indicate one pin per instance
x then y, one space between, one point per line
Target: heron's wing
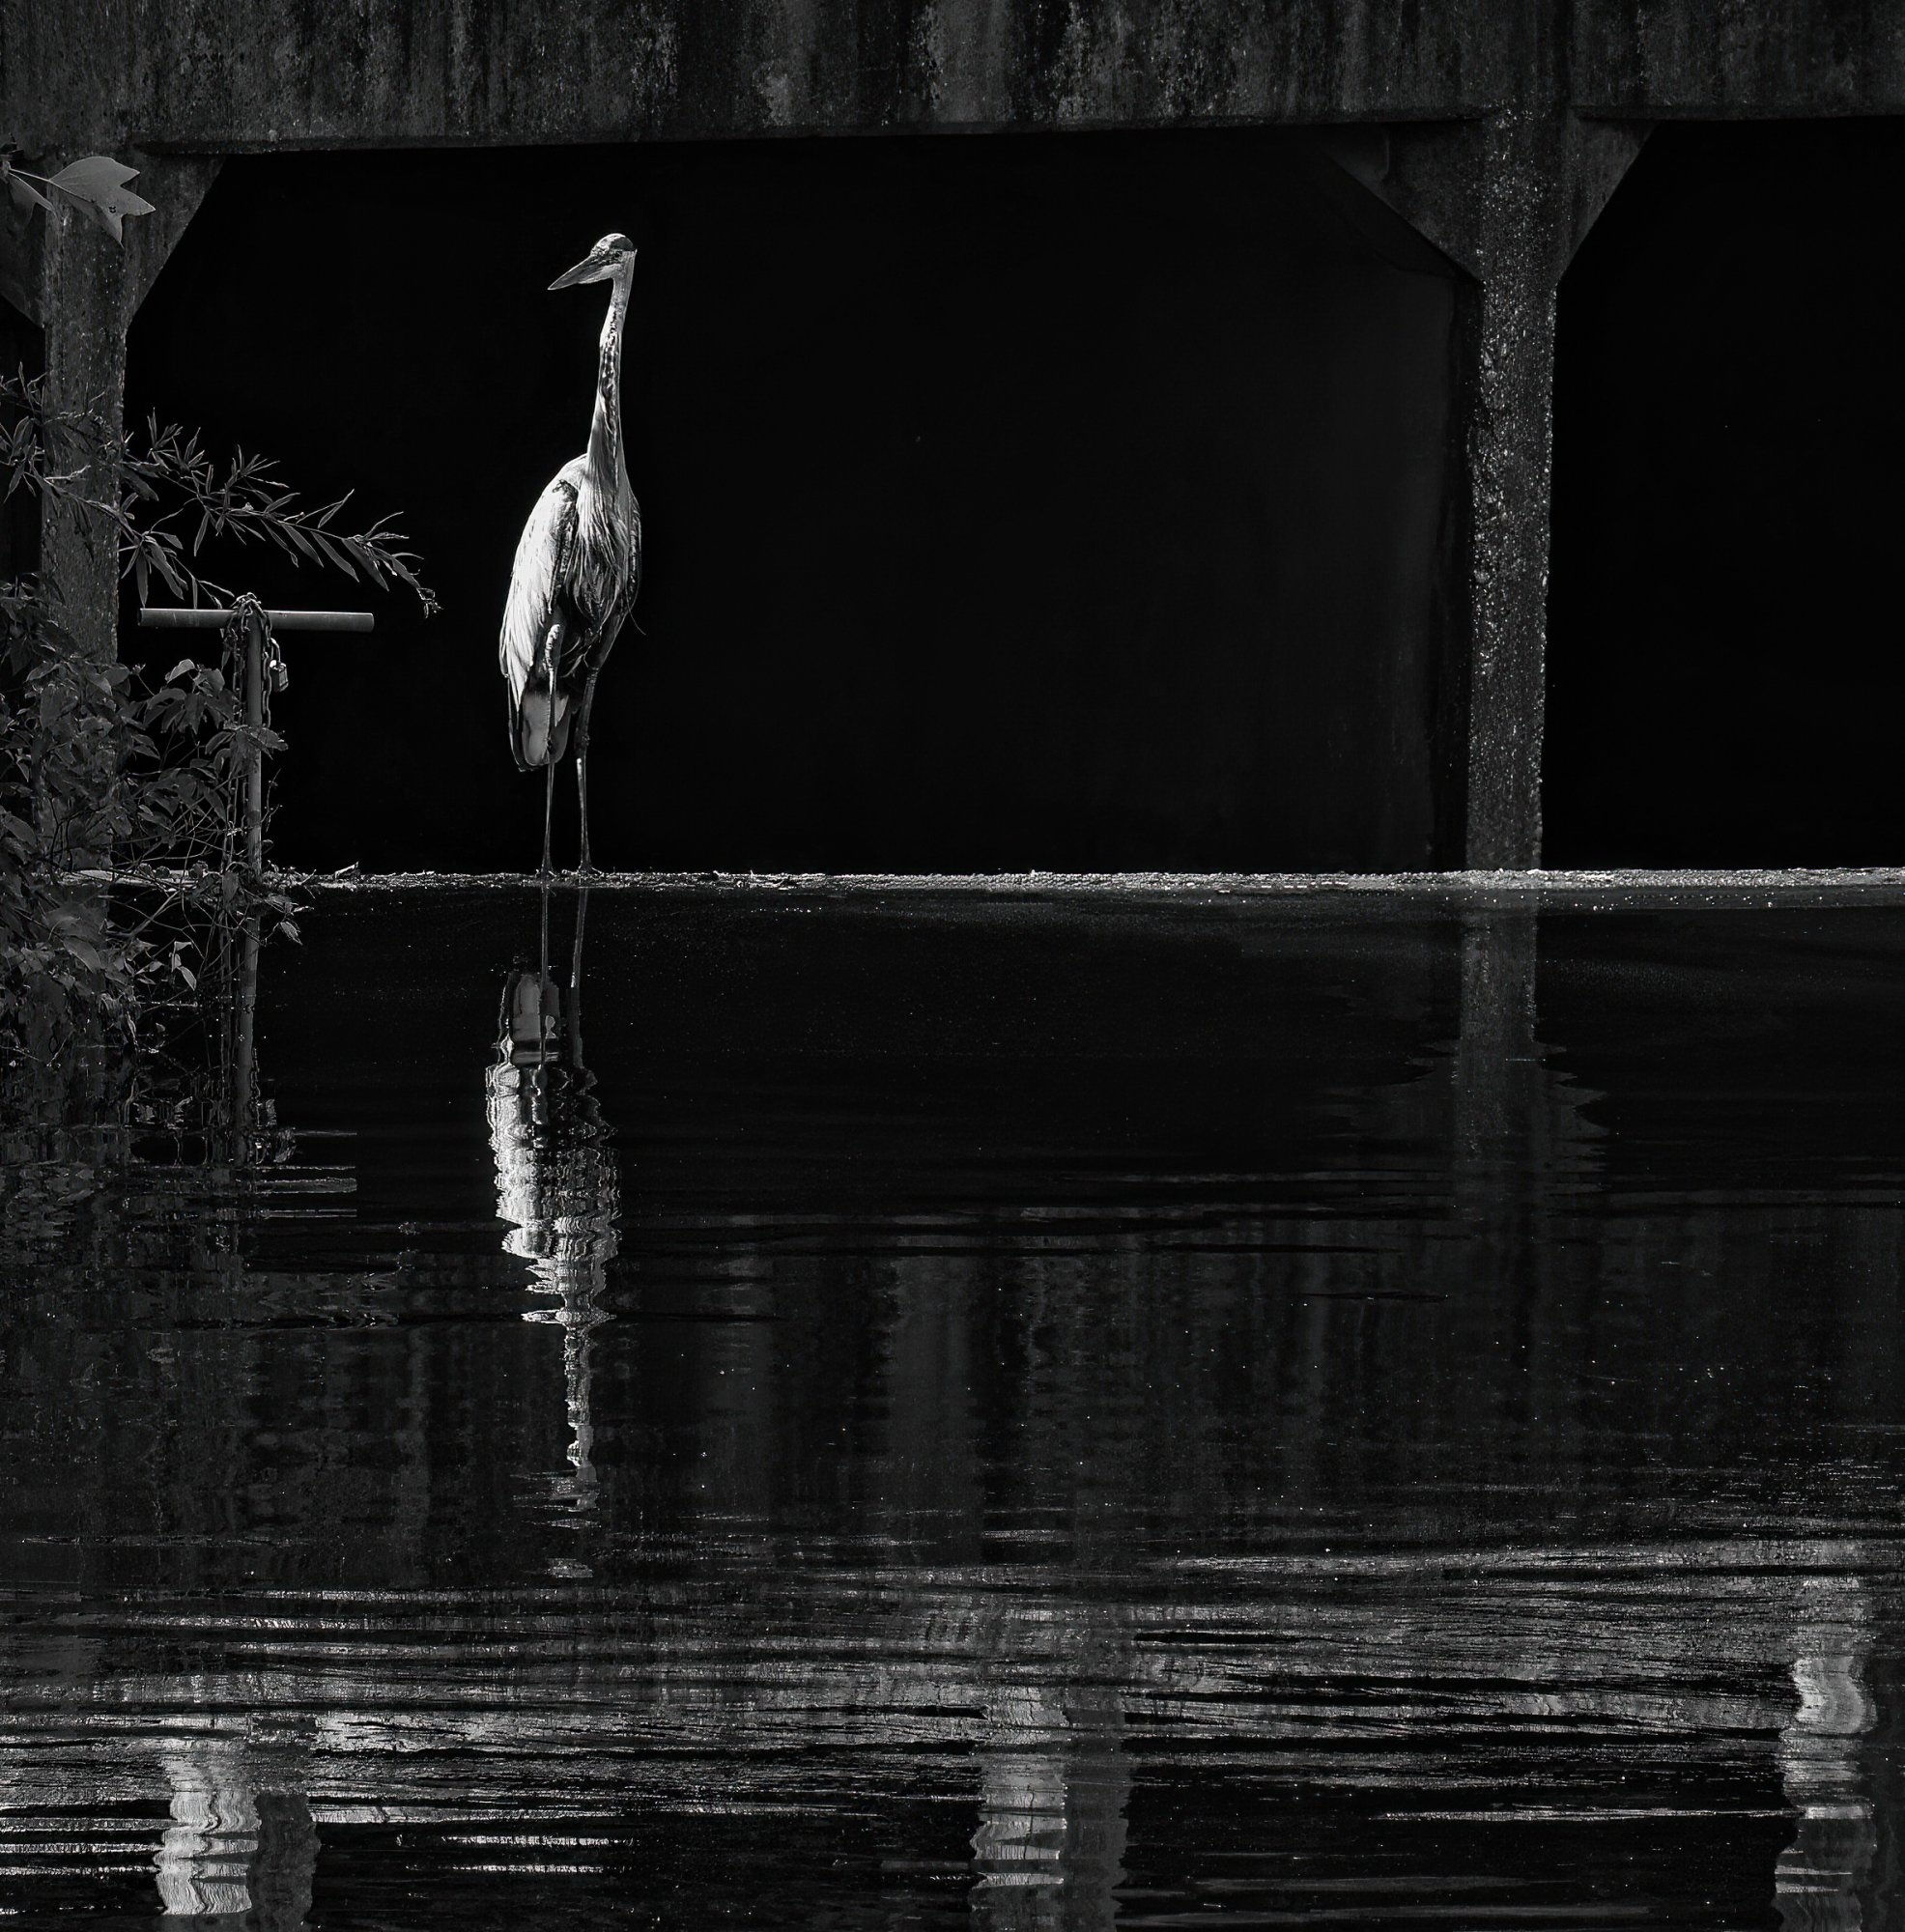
538 579
589 651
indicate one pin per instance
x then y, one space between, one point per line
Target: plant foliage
122 875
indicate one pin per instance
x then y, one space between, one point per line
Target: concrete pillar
1509 199
1542 182
85 310
1508 447
83 290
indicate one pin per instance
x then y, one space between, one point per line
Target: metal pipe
254 763
155 620
245 1097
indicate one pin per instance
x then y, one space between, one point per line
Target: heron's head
612 254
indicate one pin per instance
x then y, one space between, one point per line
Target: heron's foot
588 873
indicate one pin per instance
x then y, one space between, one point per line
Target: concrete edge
1612 890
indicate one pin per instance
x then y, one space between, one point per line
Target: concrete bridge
1498 132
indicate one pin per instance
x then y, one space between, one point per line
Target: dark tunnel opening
1054 502
1724 677
22 355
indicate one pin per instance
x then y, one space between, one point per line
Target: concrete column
1542 182
84 297
83 290
1509 199
1508 447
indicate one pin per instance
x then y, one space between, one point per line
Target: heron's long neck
604 431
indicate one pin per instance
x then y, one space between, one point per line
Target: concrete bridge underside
1496 131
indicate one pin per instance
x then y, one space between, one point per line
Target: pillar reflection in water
1055 1782
1822 1873
1520 1139
242 1844
556 1184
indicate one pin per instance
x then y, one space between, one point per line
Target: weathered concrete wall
1498 130
223 74
1721 59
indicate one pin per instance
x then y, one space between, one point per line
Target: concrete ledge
1572 890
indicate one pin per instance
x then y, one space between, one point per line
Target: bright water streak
1039 1416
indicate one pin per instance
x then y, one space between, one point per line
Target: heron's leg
548 811
584 870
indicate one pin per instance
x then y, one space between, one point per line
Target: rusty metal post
254 724
245 1097
244 1083
260 625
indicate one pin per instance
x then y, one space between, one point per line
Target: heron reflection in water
556 1184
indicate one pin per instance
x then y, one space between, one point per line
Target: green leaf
336 556
83 949
364 554
97 187
95 177
26 197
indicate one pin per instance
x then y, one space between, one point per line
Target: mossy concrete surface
235 74
1498 130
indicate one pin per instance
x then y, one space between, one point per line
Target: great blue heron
577 568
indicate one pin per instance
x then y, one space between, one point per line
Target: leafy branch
247 503
149 494
126 892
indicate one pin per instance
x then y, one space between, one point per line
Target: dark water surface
1047 1415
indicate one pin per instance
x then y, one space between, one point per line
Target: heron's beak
583 271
